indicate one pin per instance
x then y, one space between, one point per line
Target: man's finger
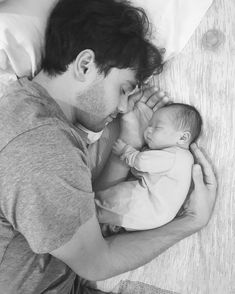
148 93
200 157
209 176
155 99
136 96
197 176
164 101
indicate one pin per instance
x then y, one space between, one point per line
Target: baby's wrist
123 150
119 148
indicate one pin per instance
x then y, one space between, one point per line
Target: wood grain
205 77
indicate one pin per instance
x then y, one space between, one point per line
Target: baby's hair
187 118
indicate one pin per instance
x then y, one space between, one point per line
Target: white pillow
21 43
22 27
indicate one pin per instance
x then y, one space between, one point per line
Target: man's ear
84 64
184 138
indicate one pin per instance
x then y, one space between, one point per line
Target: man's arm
95 258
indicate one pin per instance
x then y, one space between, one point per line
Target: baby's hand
118 147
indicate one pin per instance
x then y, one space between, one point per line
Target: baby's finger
164 101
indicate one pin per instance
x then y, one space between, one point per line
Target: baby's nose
149 130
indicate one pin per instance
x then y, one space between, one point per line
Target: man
96 53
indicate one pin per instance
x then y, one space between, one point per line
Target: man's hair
117 33
186 117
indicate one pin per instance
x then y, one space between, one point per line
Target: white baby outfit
154 196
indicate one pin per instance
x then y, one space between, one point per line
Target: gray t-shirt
45 190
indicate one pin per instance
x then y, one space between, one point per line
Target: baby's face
161 132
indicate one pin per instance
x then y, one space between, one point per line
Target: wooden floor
204 75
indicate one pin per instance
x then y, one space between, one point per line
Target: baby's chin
152 146
155 146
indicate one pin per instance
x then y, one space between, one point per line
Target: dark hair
187 118
117 33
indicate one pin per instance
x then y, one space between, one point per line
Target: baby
162 172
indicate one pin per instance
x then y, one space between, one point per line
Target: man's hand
201 202
142 105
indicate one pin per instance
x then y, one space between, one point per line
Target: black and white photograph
117 146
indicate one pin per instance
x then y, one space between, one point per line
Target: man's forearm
114 172
132 250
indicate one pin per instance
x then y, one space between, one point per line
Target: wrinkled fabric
153 196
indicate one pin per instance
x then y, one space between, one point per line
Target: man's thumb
197 175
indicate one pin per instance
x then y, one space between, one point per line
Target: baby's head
175 124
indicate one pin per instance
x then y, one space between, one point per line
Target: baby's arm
118 147
126 152
145 161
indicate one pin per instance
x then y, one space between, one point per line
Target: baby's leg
114 204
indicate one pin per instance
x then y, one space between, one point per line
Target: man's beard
90 107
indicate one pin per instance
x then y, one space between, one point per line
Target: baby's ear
185 138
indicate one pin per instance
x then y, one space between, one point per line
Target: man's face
105 98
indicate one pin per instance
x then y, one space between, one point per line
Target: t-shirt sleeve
154 161
49 192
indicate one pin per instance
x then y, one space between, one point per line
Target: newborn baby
161 172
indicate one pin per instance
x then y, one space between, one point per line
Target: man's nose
123 105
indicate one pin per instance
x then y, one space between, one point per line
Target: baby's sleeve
129 155
154 161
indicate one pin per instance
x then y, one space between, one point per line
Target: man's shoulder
28 113
48 159
49 146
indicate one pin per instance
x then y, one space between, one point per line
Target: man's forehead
125 75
